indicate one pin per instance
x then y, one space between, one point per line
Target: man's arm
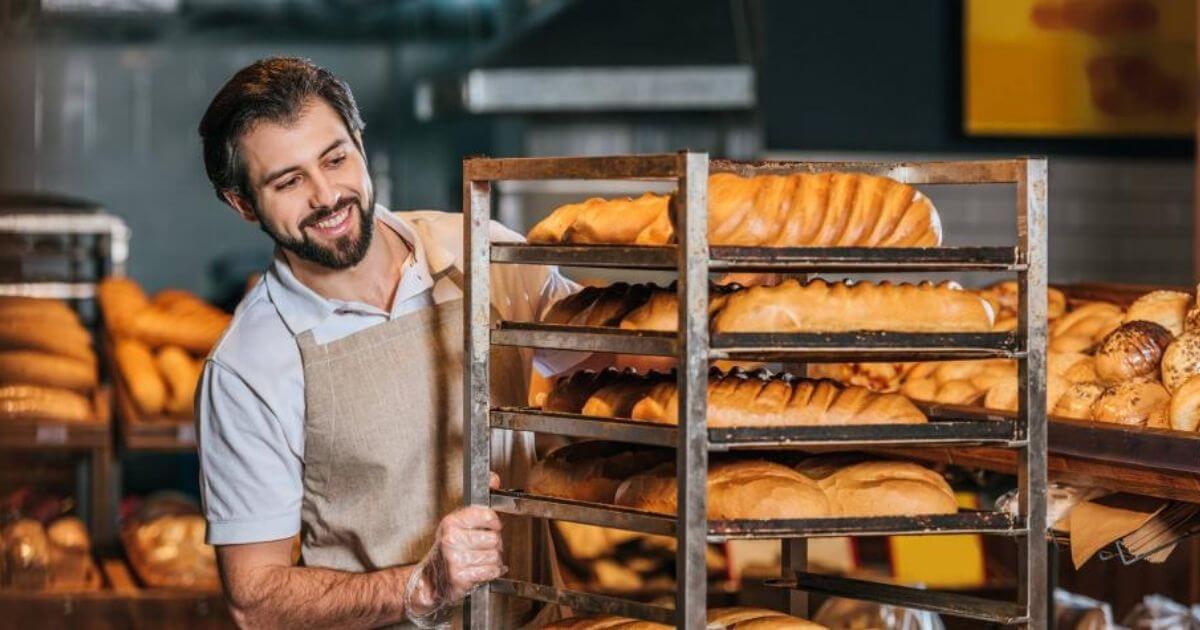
264 590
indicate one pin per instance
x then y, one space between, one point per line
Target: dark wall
886 76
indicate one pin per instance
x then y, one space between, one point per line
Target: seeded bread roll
737 489
1165 308
1134 350
30 367
1181 360
1137 403
1078 400
1184 412
816 210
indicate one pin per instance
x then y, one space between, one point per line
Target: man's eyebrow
273 175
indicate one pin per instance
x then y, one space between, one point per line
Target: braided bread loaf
800 210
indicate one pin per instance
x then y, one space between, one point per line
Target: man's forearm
301 597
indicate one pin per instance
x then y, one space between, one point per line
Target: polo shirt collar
302 309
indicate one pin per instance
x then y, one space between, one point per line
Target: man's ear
240 205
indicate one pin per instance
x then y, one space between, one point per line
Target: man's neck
373 280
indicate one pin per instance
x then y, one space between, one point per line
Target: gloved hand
467 551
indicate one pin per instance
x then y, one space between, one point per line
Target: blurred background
101 100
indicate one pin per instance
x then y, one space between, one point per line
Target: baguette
591 470
30 367
196 332
739 399
737 489
33 402
68 340
181 374
138 370
49 311
800 210
121 299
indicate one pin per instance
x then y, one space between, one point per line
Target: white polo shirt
250 400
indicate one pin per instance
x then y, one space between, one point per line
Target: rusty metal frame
693 260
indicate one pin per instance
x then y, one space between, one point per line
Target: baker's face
310 187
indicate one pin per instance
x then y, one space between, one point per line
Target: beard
345 252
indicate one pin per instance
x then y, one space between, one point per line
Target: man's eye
288 183
337 161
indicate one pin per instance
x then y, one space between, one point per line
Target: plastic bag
851 614
1060 499
1078 612
1160 613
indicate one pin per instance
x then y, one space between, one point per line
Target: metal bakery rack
54 247
694 347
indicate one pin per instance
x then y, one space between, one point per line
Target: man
332 405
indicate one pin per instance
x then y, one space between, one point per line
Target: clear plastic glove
467 551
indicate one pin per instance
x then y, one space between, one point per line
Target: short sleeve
251 481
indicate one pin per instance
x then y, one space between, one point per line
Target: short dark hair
274 89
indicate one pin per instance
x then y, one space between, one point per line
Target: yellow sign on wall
1080 67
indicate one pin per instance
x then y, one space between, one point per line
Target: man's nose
324 194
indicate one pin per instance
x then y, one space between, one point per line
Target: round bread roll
1077 401
1184 412
1132 403
1191 321
69 532
887 488
1134 350
1181 361
591 470
737 489
1082 372
957 371
1165 308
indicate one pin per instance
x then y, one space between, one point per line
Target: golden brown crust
34 402
30 367
815 210
737 489
591 470
1181 360
68 340
1165 308
181 375
1184 411
1078 400
1134 350
140 375
1136 403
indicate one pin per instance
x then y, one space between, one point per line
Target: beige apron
383 447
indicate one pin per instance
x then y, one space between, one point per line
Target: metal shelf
585 602
848 346
768 259
953 604
1163 449
523 504
939 431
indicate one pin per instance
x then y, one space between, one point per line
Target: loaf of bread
121 299
140 374
757 399
196 332
26 555
181 375
36 402
1165 308
737 489
570 393
1005 300
169 552
31 367
1093 320
604 622
599 306
802 210
740 618
173 318
591 470
69 340
45 310
880 488
1134 350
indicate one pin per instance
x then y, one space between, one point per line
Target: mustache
325 213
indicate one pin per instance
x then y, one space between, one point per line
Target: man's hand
467 551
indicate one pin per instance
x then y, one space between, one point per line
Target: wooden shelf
40 435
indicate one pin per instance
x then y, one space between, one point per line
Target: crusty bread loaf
570 393
1138 403
181 375
740 399
744 618
140 374
69 340
45 310
591 470
661 311
35 402
1078 400
1133 350
737 489
169 552
1165 308
604 622
30 367
881 488
1094 319
121 299
599 306
814 210
69 532
197 332
1005 300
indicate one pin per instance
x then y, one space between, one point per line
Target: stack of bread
744 488
718 619
801 210
159 344
735 399
789 306
165 546
47 365
56 558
